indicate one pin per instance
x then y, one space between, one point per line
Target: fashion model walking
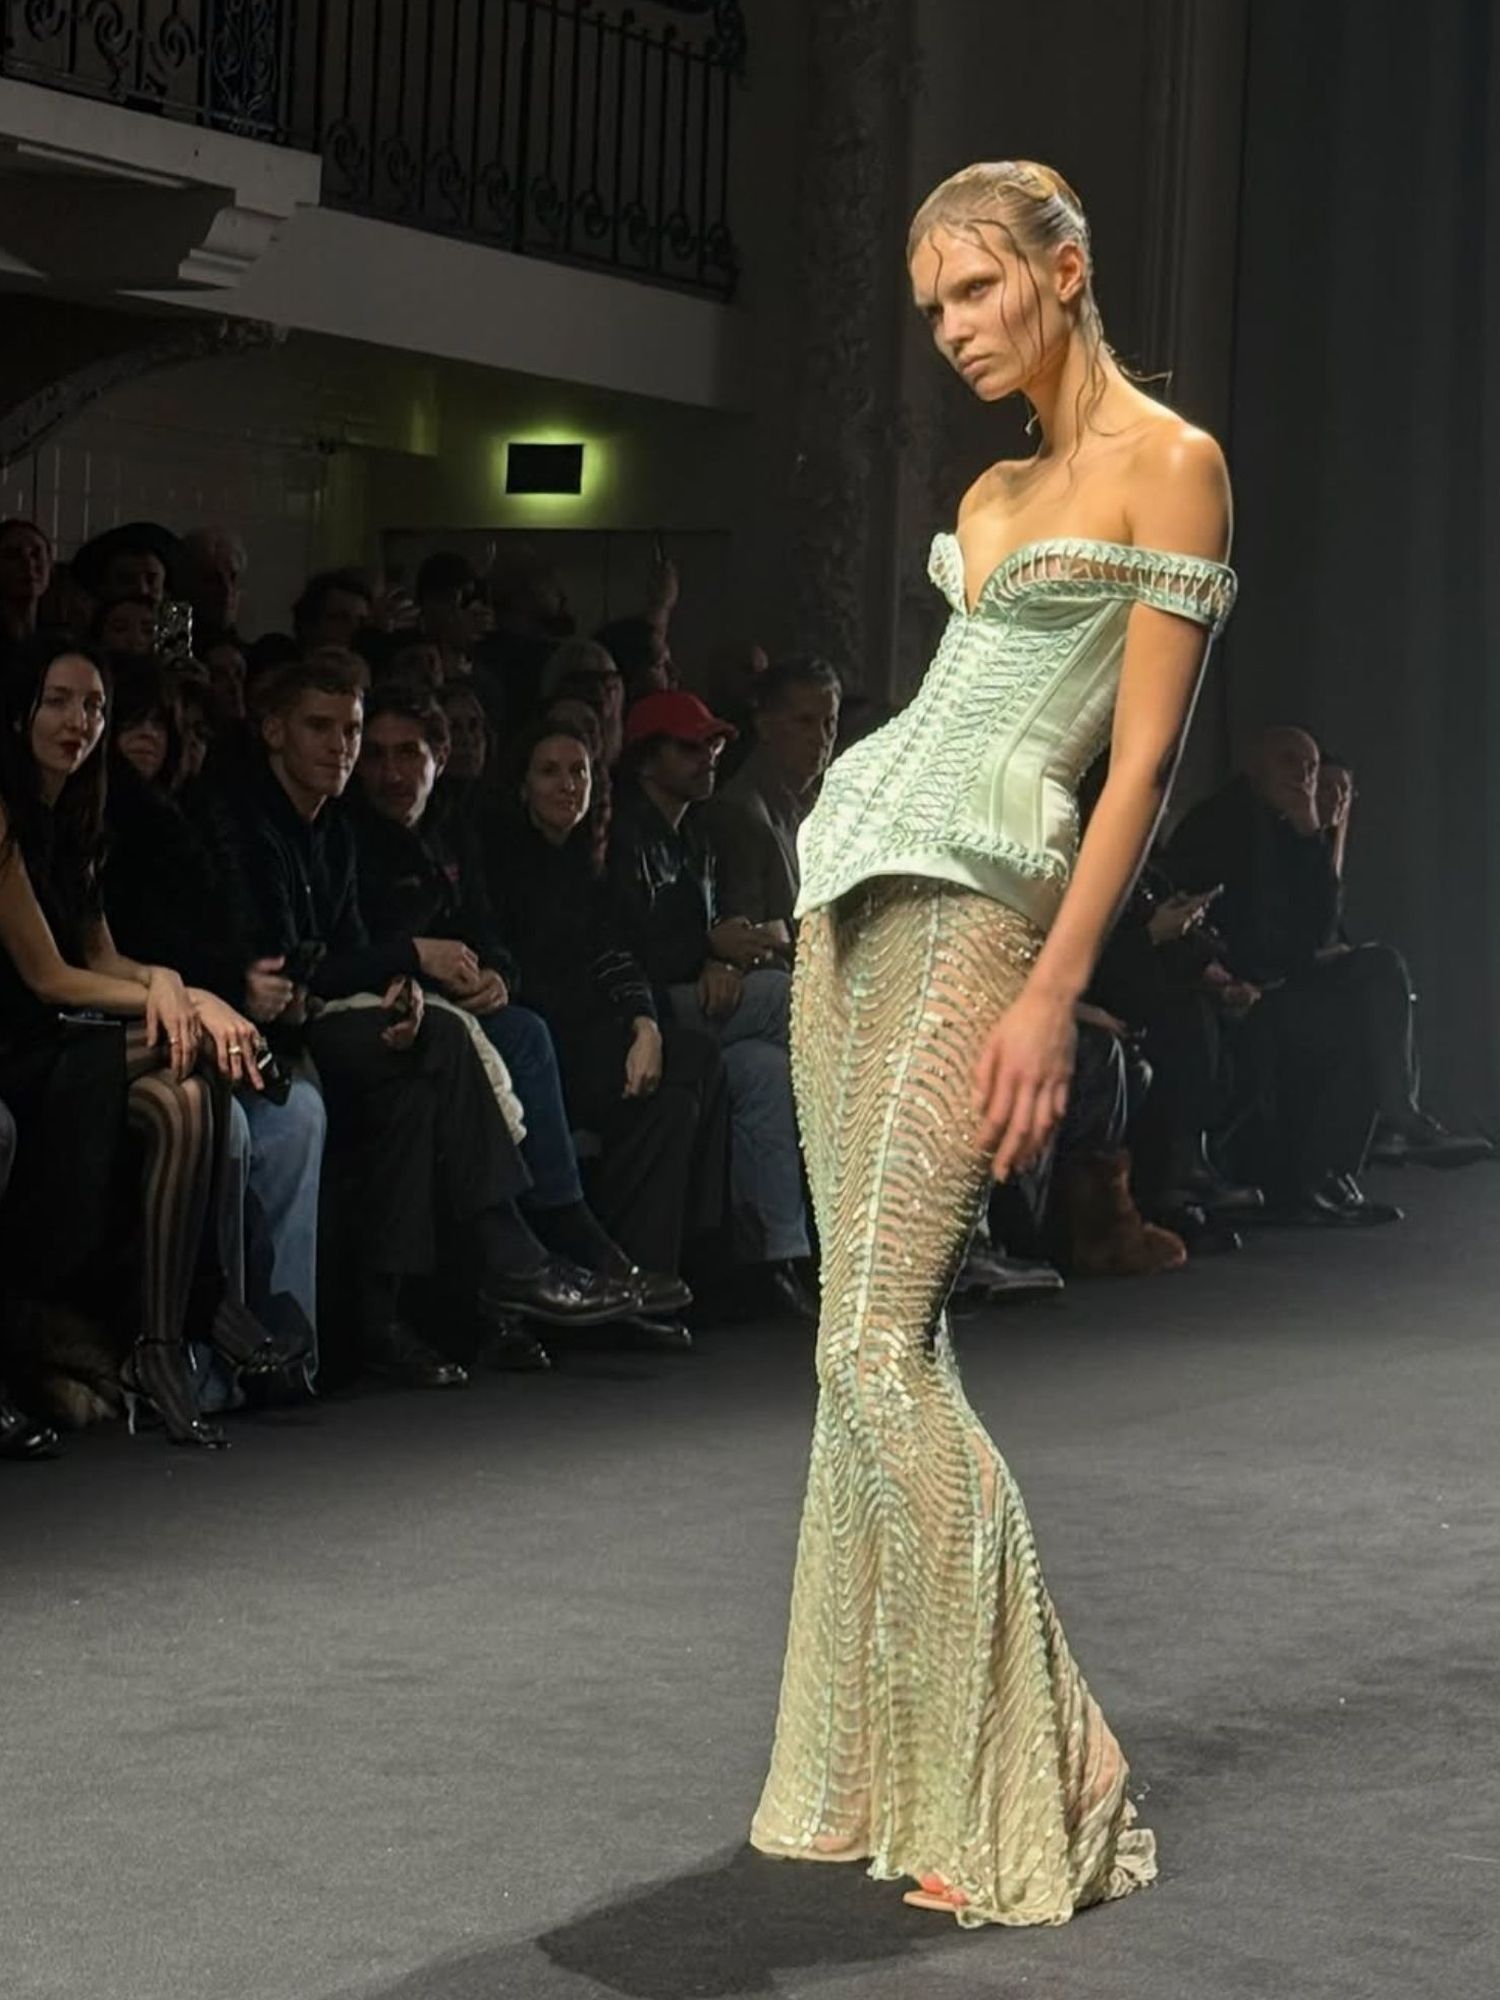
932 1721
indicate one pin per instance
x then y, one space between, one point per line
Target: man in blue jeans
718 972
418 878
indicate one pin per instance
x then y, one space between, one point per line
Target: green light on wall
568 475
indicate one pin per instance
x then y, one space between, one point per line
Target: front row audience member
1332 1022
409 1101
421 879
171 899
648 1090
753 819
181 1050
714 971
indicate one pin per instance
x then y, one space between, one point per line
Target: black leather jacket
668 886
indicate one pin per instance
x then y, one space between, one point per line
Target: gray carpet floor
460 1697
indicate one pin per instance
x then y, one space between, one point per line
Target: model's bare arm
1180 503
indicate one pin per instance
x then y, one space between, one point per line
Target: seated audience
529 605
754 817
182 1046
170 900
210 574
137 559
420 878
25 573
1335 1020
124 628
410 1103
714 972
648 1091
1159 974
582 670
334 609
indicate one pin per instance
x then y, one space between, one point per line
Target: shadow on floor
724 1930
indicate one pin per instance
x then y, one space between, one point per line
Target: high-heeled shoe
155 1372
246 1345
21 1437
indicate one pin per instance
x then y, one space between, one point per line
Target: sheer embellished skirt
931 1716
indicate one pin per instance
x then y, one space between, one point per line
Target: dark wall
1366 450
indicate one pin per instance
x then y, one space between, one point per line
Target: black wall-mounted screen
544 468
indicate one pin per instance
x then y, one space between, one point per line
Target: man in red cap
715 971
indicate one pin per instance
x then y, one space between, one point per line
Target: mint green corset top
975 781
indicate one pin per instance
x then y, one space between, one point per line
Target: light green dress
932 1718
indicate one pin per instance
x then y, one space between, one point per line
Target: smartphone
658 547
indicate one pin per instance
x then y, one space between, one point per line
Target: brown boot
1107 1235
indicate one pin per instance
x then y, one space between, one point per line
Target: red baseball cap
675 712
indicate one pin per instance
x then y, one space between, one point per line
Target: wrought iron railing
571 129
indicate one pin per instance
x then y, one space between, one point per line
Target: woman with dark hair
653 1095
59 966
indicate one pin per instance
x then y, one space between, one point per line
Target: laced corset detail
973 781
1082 568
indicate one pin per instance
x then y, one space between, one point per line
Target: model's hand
643 1059
1025 1069
719 990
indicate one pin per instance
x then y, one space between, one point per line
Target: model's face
69 719
467 738
397 768
316 742
143 745
996 317
129 629
557 785
25 565
799 732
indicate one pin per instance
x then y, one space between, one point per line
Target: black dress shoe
396 1354
562 1293
1421 1141
21 1438
510 1349
669 1336
1337 1202
1210 1192
1205 1235
659 1292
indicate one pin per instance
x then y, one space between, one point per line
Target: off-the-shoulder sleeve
1189 585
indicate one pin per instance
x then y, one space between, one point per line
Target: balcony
565 130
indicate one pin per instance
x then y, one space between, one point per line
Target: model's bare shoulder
1178 490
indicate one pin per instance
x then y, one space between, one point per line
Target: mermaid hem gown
931 1714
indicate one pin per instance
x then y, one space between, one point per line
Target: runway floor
468 1696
